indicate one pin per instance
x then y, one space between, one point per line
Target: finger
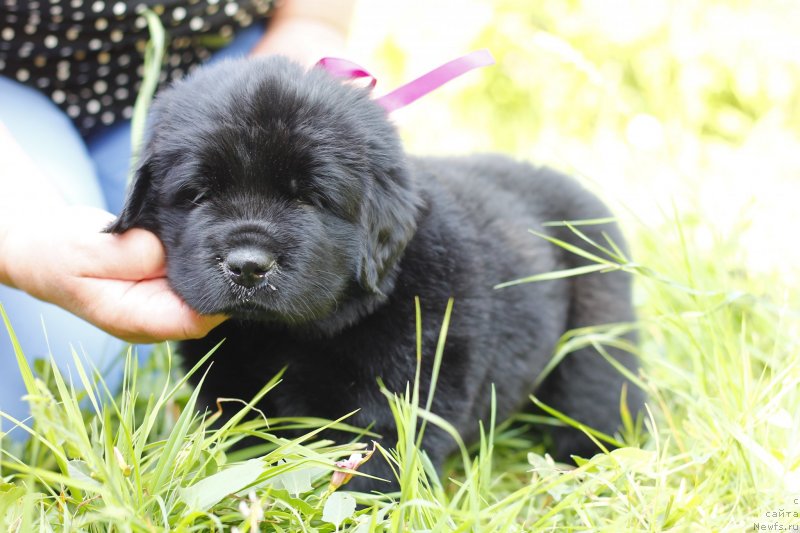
145 311
134 255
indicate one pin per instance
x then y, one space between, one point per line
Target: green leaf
153 59
296 482
10 497
79 470
339 507
211 490
559 274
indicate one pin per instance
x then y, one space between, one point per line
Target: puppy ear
389 220
135 213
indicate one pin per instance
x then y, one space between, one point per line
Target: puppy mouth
243 312
248 305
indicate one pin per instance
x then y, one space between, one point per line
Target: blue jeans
89 172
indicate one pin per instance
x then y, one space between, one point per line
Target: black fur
260 153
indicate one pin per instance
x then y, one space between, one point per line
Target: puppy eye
301 194
192 199
200 198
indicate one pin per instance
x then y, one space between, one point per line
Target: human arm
307 30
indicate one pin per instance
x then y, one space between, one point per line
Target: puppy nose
248 266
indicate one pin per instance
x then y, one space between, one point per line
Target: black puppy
284 199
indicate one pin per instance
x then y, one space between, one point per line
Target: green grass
678 122
721 447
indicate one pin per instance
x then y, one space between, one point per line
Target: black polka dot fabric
88 55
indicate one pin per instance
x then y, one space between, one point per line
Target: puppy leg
585 386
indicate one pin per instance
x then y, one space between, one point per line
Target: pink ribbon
413 90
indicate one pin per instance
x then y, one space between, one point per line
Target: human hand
308 30
116 282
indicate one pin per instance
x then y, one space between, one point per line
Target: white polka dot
116 36
51 41
176 74
2 64
95 44
56 10
100 86
179 13
107 118
98 6
121 93
30 29
127 112
103 58
103 71
101 24
106 100
73 111
195 24
174 60
78 15
7 34
93 106
121 79
72 33
119 9
212 2
76 3
140 23
89 122
43 83
124 60
212 9
23 75
58 96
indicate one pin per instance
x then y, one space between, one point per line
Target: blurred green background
663 107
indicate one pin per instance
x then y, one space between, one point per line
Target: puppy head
279 194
